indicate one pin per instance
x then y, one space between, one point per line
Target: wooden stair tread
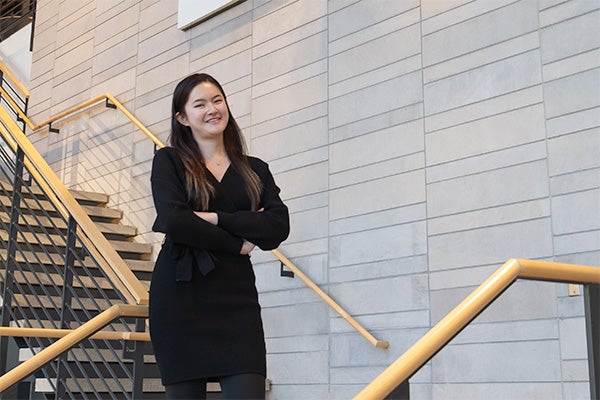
126 231
143 249
90 197
83 196
103 212
150 385
97 356
117 229
57 280
54 302
30 238
131 247
53 258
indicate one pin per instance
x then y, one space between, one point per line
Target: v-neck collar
219 181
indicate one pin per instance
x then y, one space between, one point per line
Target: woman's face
205 112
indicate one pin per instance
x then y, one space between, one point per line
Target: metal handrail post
66 298
137 391
67 293
11 252
1 81
591 298
32 10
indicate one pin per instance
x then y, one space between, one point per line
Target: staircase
90 358
41 297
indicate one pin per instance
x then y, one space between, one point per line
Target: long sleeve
175 216
267 228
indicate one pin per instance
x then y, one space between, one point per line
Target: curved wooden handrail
377 343
14 80
59 333
70 111
70 340
103 97
457 319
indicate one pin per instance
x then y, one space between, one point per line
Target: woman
215 204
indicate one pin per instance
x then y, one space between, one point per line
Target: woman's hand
247 247
210 217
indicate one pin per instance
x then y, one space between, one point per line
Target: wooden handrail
15 81
70 111
104 97
377 343
70 340
59 333
114 266
457 319
15 107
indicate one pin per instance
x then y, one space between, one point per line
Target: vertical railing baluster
66 315
13 228
138 361
32 4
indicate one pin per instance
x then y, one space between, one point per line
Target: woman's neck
212 149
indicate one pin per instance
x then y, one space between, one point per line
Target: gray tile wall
418 144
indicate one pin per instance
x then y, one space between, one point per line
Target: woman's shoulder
166 153
167 156
257 164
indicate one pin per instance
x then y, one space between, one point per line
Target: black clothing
204 312
243 386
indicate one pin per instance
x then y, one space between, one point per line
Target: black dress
204 313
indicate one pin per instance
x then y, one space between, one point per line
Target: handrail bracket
53 130
285 272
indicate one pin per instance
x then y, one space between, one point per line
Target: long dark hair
199 189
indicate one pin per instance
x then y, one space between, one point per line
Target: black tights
233 387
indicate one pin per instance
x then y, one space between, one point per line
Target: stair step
106 214
54 223
90 198
140 265
31 301
117 229
57 280
98 355
36 240
82 196
58 259
143 249
103 212
27 203
151 385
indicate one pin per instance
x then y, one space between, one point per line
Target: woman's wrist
210 217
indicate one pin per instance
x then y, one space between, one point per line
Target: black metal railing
14 15
49 278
